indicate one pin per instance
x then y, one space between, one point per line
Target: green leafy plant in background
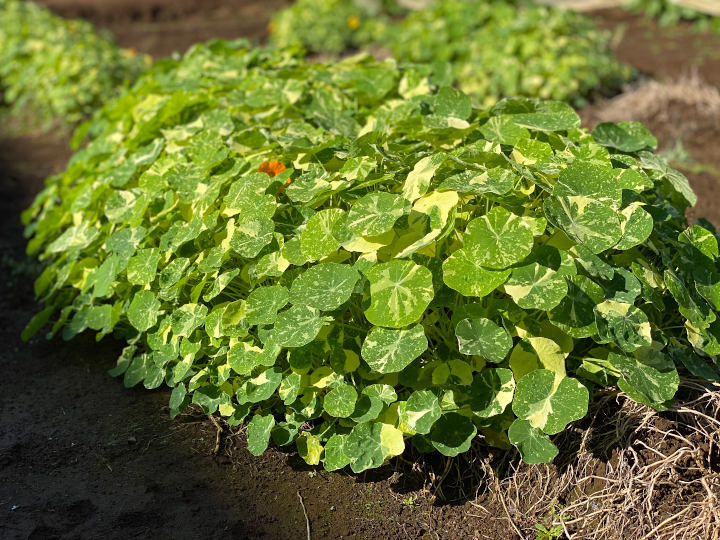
669 13
490 50
330 26
58 69
353 261
497 49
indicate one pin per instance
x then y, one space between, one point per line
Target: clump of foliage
490 50
354 260
330 26
58 69
671 13
496 49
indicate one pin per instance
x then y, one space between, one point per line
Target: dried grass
653 100
637 475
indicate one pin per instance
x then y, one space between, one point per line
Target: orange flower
353 22
271 168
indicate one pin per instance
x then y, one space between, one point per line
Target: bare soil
83 457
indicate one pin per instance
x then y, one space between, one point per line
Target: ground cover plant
490 50
669 13
60 69
353 260
331 26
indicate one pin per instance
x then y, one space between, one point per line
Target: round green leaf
187 318
588 179
575 314
534 446
264 302
260 387
491 391
325 286
384 392
548 405
367 408
297 326
498 239
249 237
420 411
534 286
340 401
637 226
624 136
335 457
376 213
483 337
258 433
317 240
593 224
244 357
400 291
391 350
452 434
462 272
649 376
247 198
623 324
495 180
364 448
144 310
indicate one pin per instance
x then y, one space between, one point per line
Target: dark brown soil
83 457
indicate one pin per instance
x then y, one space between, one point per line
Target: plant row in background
332 26
489 49
670 13
354 260
56 68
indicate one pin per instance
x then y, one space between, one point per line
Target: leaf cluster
330 26
57 68
353 260
671 13
489 50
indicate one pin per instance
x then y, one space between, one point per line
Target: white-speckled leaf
264 302
297 326
498 239
376 213
249 237
325 286
463 273
418 180
420 411
317 240
535 286
400 291
623 324
549 406
648 376
593 224
534 446
484 338
491 391
391 350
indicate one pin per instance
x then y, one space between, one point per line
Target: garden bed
80 456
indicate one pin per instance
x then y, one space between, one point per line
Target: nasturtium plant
61 69
489 50
330 25
354 260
